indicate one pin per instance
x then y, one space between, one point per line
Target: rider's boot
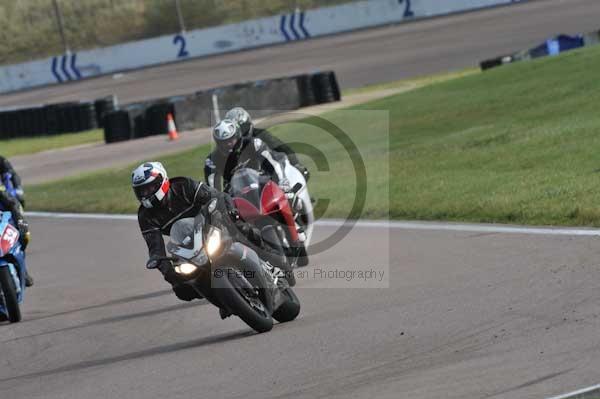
28 280
224 313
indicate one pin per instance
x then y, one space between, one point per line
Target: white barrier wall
254 33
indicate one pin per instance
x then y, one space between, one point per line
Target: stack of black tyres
117 126
86 113
326 87
318 88
156 118
39 121
103 106
306 90
51 119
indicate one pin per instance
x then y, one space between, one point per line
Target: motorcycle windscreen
183 232
245 184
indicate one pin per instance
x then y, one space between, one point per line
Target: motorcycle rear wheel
230 287
7 285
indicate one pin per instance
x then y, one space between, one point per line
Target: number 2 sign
179 40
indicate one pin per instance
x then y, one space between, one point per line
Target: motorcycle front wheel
288 310
9 295
242 299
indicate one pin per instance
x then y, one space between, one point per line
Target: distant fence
280 29
40 28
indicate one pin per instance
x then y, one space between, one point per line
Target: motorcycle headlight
213 242
185 269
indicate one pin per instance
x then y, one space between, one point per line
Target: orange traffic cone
173 135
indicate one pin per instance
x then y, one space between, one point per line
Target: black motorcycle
228 273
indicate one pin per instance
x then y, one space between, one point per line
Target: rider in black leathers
164 201
248 130
233 150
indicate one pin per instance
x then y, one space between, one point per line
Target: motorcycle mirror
297 187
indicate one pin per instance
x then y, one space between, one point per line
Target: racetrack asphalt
466 315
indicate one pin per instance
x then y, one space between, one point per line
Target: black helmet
242 117
227 135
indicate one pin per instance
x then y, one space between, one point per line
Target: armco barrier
278 29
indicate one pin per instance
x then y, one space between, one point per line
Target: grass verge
31 145
517 144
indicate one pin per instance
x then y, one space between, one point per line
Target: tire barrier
306 90
117 126
156 118
263 98
48 120
318 88
104 105
326 87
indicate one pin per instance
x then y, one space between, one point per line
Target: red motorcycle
261 202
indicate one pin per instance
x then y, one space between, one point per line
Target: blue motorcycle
12 270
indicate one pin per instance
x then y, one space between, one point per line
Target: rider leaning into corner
233 150
227 157
12 205
163 201
6 167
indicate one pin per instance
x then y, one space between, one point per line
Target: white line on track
432 226
577 393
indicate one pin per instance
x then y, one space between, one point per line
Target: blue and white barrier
279 29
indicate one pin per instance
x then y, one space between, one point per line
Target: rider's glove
170 276
23 226
185 292
163 265
234 214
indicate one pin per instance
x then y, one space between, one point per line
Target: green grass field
32 145
517 144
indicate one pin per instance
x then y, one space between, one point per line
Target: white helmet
242 117
150 183
227 136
